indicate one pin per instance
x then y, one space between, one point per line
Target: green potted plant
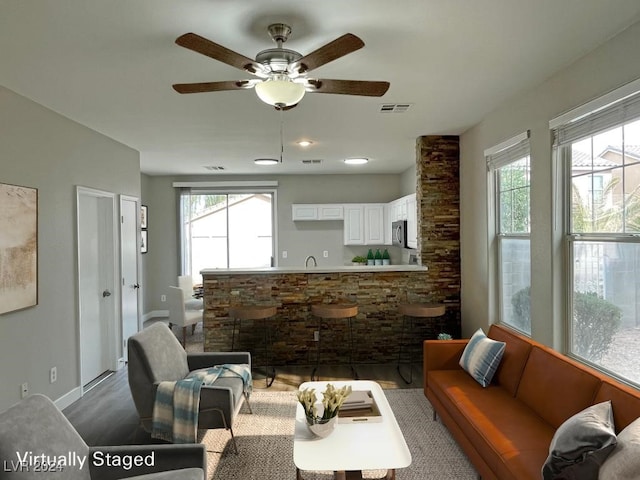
370 258
359 260
386 259
378 258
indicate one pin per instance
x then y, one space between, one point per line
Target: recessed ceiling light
356 161
266 161
305 143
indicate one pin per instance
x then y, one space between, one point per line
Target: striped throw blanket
175 411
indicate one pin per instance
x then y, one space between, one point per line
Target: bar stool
413 311
255 312
330 311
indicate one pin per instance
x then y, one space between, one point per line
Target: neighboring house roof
581 159
236 201
629 151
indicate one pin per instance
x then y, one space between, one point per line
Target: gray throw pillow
581 444
624 462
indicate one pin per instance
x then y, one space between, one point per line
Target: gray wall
299 239
613 64
41 149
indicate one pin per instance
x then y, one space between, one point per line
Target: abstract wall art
18 247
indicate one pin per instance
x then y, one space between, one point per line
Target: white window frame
609 111
497 157
226 188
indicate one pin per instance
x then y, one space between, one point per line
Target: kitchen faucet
306 261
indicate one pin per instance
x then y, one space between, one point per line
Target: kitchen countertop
320 269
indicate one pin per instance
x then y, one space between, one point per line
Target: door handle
135 285
106 293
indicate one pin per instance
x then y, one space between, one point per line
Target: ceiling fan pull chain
281 134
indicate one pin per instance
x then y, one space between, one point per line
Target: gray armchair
35 429
155 355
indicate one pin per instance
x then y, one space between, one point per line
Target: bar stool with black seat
334 311
413 311
256 312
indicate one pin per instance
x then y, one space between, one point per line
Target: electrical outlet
316 335
325 254
53 374
284 254
24 390
163 298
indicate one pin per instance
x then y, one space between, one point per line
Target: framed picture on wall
18 247
144 240
143 216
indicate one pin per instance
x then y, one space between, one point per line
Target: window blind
614 114
508 152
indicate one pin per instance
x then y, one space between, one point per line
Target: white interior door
96 281
129 268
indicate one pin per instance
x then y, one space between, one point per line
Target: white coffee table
352 447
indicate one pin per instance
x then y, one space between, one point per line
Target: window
225 230
600 151
510 172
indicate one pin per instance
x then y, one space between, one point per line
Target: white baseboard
155 314
68 398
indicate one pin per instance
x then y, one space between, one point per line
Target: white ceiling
110 64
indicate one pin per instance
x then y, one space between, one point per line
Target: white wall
613 64
41 149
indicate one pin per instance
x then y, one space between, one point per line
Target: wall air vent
312 162
394 107
214 168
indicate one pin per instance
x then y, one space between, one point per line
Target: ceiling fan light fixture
266 161
356 161
280 91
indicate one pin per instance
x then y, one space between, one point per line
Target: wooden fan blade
212 86
206 47
348 87
340 47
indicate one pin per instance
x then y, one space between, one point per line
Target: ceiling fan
282 73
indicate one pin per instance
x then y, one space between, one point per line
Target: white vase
321 428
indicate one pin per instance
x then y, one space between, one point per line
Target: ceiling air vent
394 107
214 168
312 162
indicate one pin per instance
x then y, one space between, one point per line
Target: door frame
109 262
121 343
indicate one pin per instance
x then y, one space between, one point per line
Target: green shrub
595 321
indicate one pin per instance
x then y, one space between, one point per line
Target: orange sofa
506 428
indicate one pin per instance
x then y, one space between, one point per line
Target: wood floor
106 414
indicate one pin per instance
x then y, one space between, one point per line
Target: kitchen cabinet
364 224
412 221
405 208
310 211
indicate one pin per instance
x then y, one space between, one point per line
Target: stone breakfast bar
377 290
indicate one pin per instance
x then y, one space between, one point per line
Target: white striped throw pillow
481 357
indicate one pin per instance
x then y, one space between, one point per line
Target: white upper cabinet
364 224
311 211
354 224
412 221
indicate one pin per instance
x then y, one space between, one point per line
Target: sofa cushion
514 357
625 401
544 373
506 433
481 357
581 444
624 462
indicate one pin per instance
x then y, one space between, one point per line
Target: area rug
265 442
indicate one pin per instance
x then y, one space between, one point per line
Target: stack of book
359 406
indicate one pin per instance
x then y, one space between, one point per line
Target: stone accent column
438 199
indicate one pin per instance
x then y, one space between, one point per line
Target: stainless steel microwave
399 233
